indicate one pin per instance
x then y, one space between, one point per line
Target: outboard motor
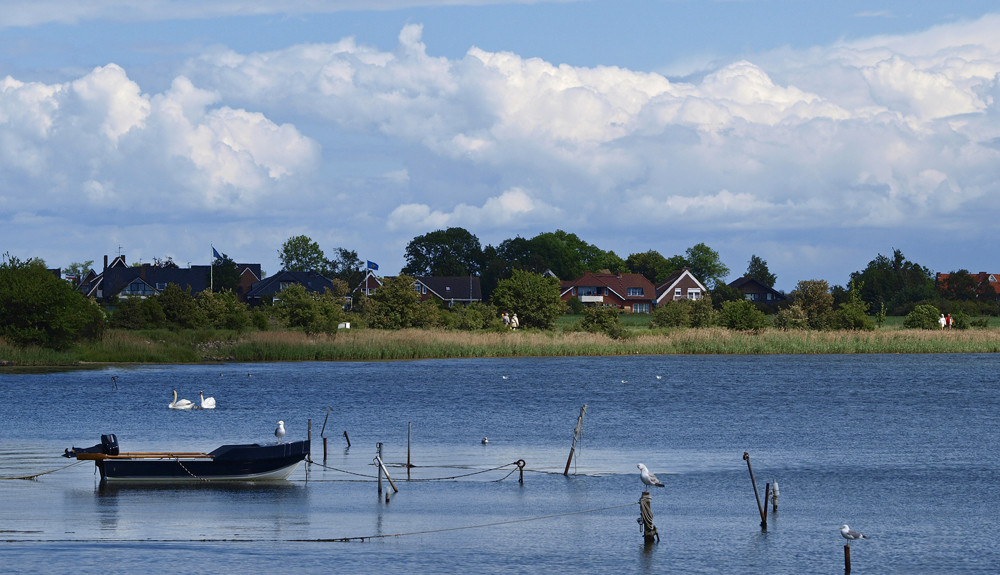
109 444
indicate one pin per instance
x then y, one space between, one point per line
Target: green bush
923 317
672 314
599 319
742 315
792 317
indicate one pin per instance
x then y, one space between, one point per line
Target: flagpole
211 271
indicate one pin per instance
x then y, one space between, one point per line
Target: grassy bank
374 345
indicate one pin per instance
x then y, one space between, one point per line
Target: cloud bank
367 149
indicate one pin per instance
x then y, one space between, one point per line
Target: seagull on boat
180 403
280 431
206 402
647 477
850 534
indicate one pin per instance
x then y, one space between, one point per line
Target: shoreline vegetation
214 346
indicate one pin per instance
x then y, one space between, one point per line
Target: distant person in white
647 477
280 431
850 534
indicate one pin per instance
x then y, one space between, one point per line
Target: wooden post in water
378 459
378 456
774 496
646 519
576 435
348 440
409 433
847 558
756 494
309 436
767 496
322 432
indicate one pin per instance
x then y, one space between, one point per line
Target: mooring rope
188 470
514 463
446 529
44 472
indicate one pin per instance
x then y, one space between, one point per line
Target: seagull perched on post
850 534
280 431
647 477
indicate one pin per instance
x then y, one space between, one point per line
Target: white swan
206 402
180 404
280 431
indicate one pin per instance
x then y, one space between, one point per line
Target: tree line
38 308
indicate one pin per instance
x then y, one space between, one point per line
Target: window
640 308
283 285
139 288
589 290
694 293
635 291
678 294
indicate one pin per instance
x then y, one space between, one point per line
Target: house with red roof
632 293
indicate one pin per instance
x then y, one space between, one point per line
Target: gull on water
280 431
647 477
850 534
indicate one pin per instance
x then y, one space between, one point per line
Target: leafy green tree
76 270
757 269
961 286
302 254
853 314
706 265
347 266
896 282
815 299
562 253
225 274
450 252
742 315
651 264
533 297
311 311
395 305
38 308
223 310
924 316
179 307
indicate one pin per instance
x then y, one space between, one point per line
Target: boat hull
228 463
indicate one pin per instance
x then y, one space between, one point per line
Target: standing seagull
647 477
850 534
280 431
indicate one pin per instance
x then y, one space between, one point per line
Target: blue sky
812 134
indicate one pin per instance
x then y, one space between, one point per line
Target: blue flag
372 265
215 253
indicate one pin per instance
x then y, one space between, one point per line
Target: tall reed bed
374 345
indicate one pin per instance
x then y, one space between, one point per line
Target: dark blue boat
247 462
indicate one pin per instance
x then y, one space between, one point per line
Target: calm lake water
902 447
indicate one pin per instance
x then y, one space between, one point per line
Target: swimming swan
180 404
206 402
